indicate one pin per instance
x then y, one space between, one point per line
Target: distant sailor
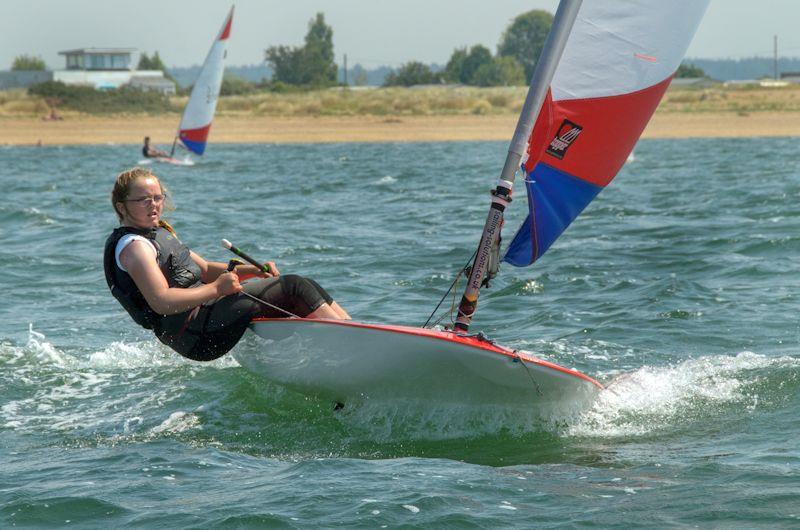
194 306
152 152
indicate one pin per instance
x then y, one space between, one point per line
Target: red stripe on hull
446 336
610 128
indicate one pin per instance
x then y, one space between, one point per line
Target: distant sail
199 111
618 62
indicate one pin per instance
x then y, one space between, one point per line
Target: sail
618 62
199 111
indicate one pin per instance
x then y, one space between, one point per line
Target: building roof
96 51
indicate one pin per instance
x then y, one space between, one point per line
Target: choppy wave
107 391
660 399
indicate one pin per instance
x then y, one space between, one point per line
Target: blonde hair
122 187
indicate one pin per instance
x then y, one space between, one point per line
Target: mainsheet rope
460 272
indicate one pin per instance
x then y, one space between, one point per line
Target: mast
488 248
775 56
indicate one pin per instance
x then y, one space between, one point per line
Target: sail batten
617 64
199 111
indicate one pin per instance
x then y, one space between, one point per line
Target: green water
679 288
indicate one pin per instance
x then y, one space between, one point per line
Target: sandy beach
81 129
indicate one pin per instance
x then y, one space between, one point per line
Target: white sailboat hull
348 361
167 160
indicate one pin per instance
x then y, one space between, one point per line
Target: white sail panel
620 47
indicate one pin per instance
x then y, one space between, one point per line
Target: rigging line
450 288
528 371
452 305
259 300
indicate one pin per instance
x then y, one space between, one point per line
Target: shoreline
130 129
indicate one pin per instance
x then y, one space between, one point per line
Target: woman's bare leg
339 311
324 311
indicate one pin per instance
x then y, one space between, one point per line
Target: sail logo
566 134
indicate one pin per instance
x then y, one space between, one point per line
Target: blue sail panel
195 147
555 199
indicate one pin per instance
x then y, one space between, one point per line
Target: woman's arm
210 270
138 260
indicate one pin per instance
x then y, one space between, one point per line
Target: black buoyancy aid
173 259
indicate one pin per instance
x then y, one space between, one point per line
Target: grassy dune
392 115
436 101
422 101
18 103
740 99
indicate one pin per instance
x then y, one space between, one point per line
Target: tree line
312 65
520 45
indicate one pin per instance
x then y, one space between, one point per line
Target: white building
105 68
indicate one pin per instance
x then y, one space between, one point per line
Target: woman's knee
292 283
303 294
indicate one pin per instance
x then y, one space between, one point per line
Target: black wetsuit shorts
209 332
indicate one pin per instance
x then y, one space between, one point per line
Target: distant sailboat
603 71
199 111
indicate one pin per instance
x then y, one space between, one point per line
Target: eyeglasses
148 201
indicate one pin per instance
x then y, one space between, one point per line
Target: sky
370 32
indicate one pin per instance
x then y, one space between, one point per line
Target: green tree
312 64
235 86
524 38
689 70
28 62
153 62
144 62
319 58
412 73
477 57
287 64
502 71
452 72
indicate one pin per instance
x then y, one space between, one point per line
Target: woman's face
142 207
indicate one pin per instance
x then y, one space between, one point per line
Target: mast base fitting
465 311
502 193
